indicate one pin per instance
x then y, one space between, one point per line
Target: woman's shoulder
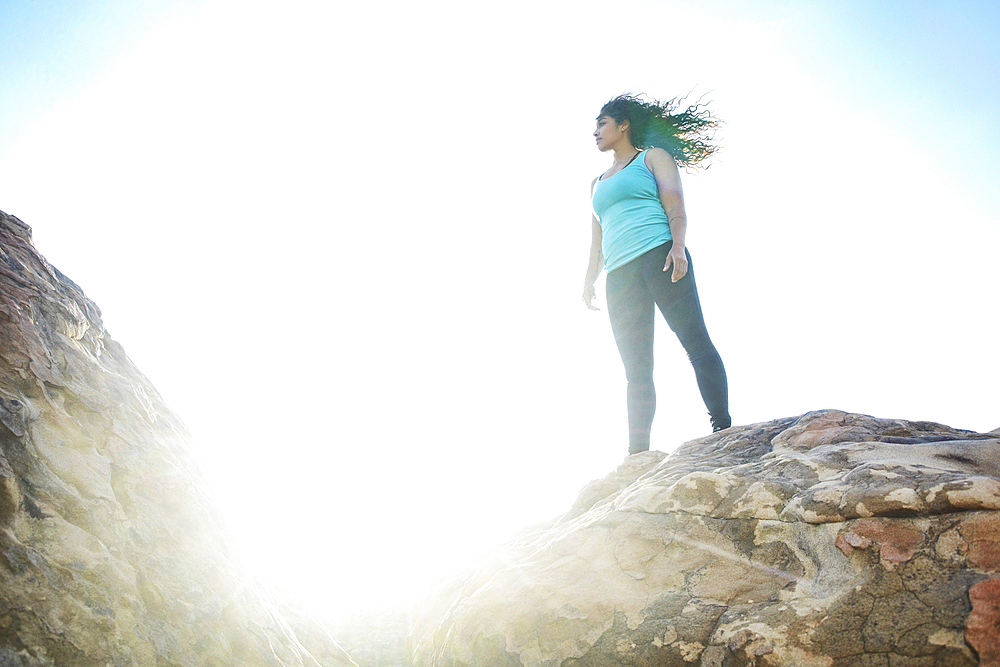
657 154
660 161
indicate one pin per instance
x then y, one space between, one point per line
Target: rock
830 539
983 624
111 552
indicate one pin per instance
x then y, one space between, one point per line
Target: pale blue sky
355 234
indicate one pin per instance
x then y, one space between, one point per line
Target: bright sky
347 240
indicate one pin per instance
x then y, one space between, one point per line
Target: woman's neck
624 153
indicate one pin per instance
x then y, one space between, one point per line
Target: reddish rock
982 534
982 627
896 542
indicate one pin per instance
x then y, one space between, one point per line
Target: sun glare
346 242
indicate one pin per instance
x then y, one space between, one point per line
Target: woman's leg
681 308
630 308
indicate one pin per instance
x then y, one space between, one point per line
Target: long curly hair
687 134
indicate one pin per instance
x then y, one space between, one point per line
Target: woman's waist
619 251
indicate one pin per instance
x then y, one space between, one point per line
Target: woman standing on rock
638 232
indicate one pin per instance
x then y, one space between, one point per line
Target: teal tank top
627 205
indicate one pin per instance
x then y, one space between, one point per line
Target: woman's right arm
595 263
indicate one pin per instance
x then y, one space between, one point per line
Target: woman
638 233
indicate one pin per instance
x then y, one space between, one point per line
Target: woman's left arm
668 184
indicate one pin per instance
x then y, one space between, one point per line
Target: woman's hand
595 260
679 259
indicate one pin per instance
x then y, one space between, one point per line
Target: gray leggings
633 289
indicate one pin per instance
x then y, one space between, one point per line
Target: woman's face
608 133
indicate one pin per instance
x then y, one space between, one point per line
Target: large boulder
111 552
829 539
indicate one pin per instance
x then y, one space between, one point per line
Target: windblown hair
686 134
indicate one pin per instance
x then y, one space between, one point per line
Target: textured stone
983 625
829 539
110 551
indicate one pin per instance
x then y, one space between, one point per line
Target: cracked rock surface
831 539
110 551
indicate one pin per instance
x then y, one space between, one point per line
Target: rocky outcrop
831 539
110 551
